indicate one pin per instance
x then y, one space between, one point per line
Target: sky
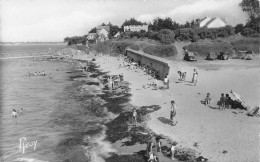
53 20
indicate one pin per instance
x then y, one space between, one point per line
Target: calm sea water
34 136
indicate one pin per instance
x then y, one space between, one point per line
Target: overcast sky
53 20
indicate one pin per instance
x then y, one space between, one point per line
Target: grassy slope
175 51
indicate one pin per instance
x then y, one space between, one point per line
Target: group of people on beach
154 147
112 82
226 101
182 76
148 69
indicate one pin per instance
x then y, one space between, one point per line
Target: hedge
161 50
249 44
205 48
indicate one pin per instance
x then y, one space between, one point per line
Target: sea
54 125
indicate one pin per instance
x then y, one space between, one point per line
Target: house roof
210 20
107 28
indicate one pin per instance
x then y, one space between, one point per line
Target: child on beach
180 74
173 113
207 99
222 102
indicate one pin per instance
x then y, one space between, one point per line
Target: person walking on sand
134 116
195 77
14 114
222 102
173 113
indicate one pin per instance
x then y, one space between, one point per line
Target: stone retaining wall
144 58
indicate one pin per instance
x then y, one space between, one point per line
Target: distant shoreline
29 43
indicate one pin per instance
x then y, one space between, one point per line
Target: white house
136 28
215 22
103 33
92 37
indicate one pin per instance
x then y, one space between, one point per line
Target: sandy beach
228 135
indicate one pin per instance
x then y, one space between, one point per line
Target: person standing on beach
173 150
110 83
222 102
173 113
134 116
166 82
195 77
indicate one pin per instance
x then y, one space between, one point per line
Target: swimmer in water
43 73
20 110
35 73
14 114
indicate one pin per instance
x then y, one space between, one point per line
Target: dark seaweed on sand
115 104
126 158
119 128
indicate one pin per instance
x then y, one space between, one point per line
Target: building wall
162 67
217 23
136 27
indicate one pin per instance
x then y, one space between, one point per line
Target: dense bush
186 34
193 34
205 48
166 36
161 50
134 47
248 32
102 47
239 28
120 46
251 44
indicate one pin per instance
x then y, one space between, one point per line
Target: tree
251 7
132 21
248 32
113 29
239 28
93 30
159 24
254 23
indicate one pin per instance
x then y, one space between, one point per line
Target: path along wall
146 59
